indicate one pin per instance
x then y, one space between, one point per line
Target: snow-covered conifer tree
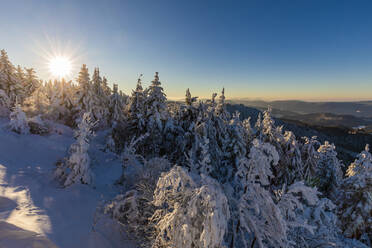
116 107
136 109
309 155
355 199
4 103
221 110
84 99
18 121
156 114
329 173
106 88
191 213
9 82
31 82
100 109
155 104
76 168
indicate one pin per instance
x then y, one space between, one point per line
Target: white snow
35 211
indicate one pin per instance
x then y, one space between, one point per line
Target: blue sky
310 50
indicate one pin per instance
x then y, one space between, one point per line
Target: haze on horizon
271 50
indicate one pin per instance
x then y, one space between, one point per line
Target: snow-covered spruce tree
84 98
258 221
18 121
328 174
239 136
221 110
100 109
291 161
4 103
156 114
191 213
76 168
117 120
135 208
136 109
310 156
190 112
31 82
355 199
9 82
155 104
311 221
116 107
106 89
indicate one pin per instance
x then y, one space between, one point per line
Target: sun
60 66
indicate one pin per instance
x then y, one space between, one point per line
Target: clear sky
310 50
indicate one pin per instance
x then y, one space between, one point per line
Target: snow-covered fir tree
310 156
136 108
76 168
355 199
9 82
116 107
18 121
329 174
155 113
84 99
100 108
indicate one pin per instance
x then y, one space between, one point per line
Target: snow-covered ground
35 211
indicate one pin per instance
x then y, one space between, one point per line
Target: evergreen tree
9 82
31 82
155 104
84 99
76 168
116 107
355 199
136 109
100 109
310 156
18 121
221 110
329 173
156 114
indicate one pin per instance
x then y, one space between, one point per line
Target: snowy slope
36 212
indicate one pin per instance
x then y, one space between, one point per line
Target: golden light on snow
60 66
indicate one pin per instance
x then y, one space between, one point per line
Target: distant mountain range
360 109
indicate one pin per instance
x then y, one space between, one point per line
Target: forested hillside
193 174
